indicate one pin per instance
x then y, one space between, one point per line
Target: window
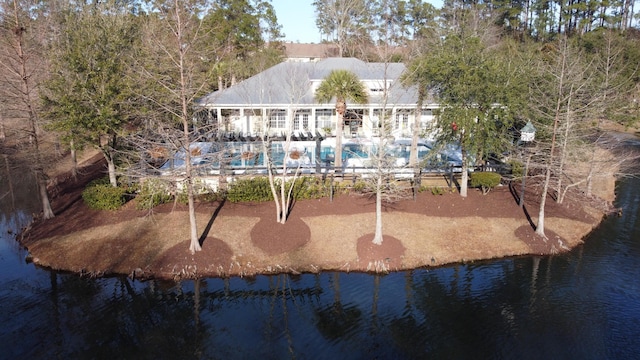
402 120
381 116
229 117
426 118
378 118
301 120
324 118
278 119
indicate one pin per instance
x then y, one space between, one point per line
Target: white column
219 118
244 123
367 126
288 124
264 126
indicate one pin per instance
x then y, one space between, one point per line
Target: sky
298 19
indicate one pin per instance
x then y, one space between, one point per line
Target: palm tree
342 85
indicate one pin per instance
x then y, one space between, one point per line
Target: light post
527 135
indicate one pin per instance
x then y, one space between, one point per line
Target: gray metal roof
290 83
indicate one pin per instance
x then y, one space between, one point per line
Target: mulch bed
273 238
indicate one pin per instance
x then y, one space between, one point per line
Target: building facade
281 101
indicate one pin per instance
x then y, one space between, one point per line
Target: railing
438 177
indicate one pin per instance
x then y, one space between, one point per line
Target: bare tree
288 82
552 109
297 85
385 159
562 97
3 133
613 88
176 48
282 193
569 92
343 21
22 70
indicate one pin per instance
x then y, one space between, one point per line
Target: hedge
101 195
485 180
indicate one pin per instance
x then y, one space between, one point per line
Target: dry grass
429 241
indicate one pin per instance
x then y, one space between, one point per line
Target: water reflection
501 309
585 304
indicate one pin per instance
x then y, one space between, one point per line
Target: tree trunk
565 144
9 180
547 180
282 217
283 201
266 148
107 152
550 159
195 242
525 21
464 179
112 172
338 158
74 161
193 225
413 155
377 237
30 102
47 212
543 200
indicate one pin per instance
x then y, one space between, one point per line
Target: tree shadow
290 207
517 198
207 228
294 198
451 180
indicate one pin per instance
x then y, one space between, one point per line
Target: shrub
212 196
485 180
100 195
100 181
360 186
310 188
255 189
435 190
339 187
201 192
152 192
182 197
517 168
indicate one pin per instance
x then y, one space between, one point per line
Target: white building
281 100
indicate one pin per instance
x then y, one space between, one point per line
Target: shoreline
245 240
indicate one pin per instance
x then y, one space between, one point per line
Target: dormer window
377 86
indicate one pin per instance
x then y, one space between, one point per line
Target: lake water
580 305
